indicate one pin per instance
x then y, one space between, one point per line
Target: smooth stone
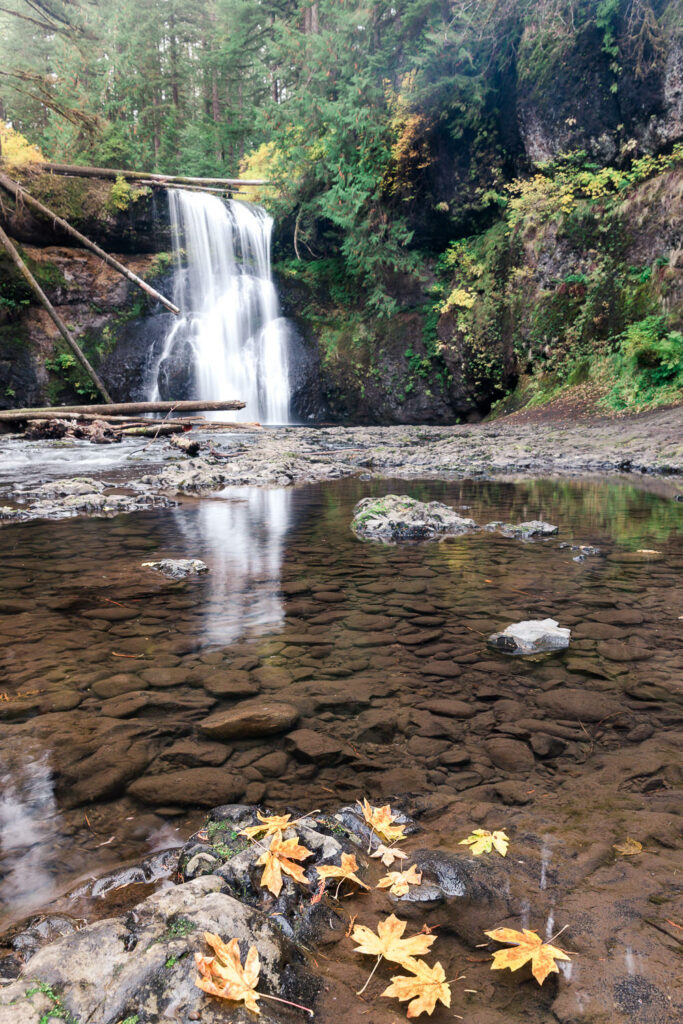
619 616
509 755
203 787
615 651
366 622
194 753
163 677
117 685
230 684
252 718
450 707
578 705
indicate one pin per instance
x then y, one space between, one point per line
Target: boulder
251 718
534 636
398 517
178 568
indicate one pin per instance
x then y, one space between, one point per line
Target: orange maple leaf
425 987
381 819
224 976
527 946
345 871
279 857
388 943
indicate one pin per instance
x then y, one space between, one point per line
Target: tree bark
143 176
117 408
18 192
54 316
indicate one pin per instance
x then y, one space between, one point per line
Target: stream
108 669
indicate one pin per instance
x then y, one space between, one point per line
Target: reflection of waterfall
241 537
230 341
27 831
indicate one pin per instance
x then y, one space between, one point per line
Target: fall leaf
483 841
388 855
269 825
380 820
223 975
279 857
388 942
398 882
344 872
425 987
628 849
528 946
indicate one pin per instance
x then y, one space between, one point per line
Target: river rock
311 746
533 636
77 485
114 969
251 718
578 705
533 528
203 787
509 755
398 517
177 568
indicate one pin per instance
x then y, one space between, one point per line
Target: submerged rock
532 528
251 718
534 636
399 517
178 568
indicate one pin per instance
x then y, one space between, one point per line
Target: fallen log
118 408
172 427
108 172
21 195
13 253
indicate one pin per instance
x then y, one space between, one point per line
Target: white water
230 325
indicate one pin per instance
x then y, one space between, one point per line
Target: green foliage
648 365
57 1011
120 196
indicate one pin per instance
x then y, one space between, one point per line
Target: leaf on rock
399 882
527 946
381 820
425 987
345 871
388 855
388 942
269 825
483 841
279 858
224 976
628 849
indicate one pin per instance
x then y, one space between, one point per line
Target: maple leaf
380 820
344 872
388 943
399 882
223 974
425 987
629 848
527 946
483 841
388 855
279 857
269 825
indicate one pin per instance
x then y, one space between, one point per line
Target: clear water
230 327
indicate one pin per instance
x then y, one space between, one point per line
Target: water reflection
29 825
242 538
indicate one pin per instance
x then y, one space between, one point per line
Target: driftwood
21 195
117 409
144 176
154 429
54 316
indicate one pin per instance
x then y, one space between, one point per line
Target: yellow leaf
269 825
388 855
424 987
279 857
483 841
380 820
223 975
398 882
527 946
344 872
628 849
388 942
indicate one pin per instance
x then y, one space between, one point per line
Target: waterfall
230 340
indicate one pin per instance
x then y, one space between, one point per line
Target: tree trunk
143 176
117 408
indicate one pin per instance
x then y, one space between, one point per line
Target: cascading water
230 340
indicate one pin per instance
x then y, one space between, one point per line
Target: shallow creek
108 669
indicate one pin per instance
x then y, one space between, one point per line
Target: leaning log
21 195
108 172
54 316
118 408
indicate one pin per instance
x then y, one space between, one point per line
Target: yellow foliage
17 151
260 164
460 298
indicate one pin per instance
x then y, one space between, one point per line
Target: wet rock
143 963
533 528
193 753
202 787
308 745
251 718
615 651
117 685
544 745
376 726
509 755
579 705
399 517
95 504
178 568
230 684
533 636
78 485
450 707
512 793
